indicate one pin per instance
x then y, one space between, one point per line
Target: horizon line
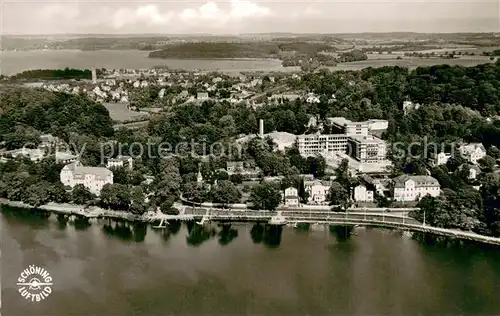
248 33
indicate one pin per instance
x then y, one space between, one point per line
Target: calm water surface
125 270
15 62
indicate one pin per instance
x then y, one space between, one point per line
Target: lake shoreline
90 212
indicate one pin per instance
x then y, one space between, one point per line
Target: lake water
120 270
15 62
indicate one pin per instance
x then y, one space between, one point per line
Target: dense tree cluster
26 113
53 74
34 183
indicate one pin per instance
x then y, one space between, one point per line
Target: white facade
377 125
348 127
441 159
472 174
410 106
473 152
361 194
93 178
291 197
314 144
367 149
202 96
311 98
317 191
65 157
120 161
413 188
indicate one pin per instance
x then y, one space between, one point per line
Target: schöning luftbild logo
35 283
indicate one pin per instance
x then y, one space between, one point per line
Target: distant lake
15 62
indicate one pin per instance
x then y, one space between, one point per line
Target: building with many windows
291 197
317 191
413 188
362 194
120 161
93 178
367 149
345 126
313 144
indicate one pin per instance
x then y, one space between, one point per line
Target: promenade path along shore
293 217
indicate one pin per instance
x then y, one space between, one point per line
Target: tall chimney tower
261 128
94 76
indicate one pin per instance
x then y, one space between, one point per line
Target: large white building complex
354 141
367 149
93 178
314 144
347 127
413 188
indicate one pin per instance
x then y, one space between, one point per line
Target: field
119 112
410 62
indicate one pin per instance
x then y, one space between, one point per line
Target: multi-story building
441 158
413 188
377 125
367 149
347 127
93 178
472 152
317 191
291 197
314 144
361 194
120 161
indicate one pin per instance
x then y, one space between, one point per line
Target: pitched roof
472 147
420 181
80 171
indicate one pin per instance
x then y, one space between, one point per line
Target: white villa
291 197
441 158
93 178
317 191
413 188
473 152
361 194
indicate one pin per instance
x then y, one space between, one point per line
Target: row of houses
405 188
472 152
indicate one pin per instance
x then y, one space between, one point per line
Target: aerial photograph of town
249 157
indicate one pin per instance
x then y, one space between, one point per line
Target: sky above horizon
247 16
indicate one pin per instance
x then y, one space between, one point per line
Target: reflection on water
227 234
109 267
341 232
